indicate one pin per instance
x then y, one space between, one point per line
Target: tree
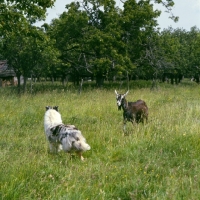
27 51
69 33
138 24
105 40
175 47
17 32
193 52
89 39
13 11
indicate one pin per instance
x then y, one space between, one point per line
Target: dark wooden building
7 75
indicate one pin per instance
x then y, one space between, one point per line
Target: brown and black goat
132 111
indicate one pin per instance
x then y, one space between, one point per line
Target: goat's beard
119 107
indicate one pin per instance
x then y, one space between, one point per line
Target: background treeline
97 40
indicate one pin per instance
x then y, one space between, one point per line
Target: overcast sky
187 10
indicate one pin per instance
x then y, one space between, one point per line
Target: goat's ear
116 92
126 93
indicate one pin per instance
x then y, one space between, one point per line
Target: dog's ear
55 108
48 107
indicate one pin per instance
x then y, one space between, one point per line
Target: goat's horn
116 92
126 93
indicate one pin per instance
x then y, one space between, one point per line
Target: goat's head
120 99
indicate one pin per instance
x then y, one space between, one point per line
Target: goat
132 111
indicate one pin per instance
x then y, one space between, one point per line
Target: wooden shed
7 75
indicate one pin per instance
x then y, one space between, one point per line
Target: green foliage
102 40
181 49
96 39
158 160
23 45
15 11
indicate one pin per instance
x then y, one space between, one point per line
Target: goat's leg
144 118
124 128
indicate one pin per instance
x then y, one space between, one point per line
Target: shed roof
5 71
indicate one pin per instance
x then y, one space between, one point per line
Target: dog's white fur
52 118
68 139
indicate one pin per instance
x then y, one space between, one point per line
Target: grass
158 160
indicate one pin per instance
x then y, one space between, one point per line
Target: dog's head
79 142
50 107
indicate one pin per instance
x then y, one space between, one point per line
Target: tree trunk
64 80
18 83
81 85
99 80
24 85
52 80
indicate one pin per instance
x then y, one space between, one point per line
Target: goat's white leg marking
124 124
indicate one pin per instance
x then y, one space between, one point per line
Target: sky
188 12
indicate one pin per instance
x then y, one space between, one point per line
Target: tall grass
158 160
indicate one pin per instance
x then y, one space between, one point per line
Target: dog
63 137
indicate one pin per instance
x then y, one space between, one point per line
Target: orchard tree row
96 39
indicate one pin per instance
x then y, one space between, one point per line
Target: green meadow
158 160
